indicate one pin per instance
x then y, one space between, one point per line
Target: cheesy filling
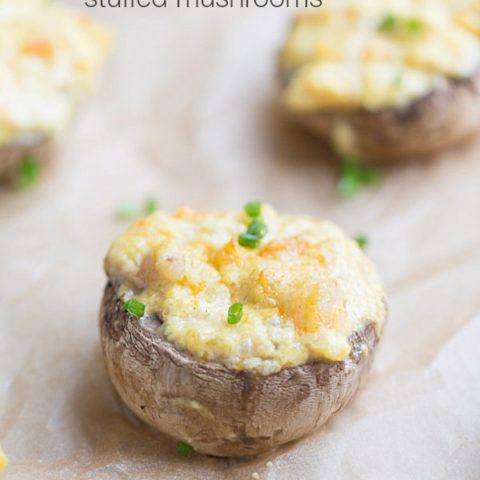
378 53
49 56
305 289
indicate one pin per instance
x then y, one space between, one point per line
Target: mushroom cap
217 410
428 125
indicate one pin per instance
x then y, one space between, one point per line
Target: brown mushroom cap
13 153
217 410
443 118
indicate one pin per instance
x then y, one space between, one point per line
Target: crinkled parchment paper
186 112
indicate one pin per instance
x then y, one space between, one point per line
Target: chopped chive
235 313
414 25
253 209
184 449
368 175
30 171
398 80
353 176
257 228
348 186
134 307
127 212
248 240
388 23
362 241
151 205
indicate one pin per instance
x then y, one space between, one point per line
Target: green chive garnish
30 171
253 209
151 205
235 313
413 25
248 240
127 212
353 176
257 228
388 23
348 186
184 449
134 307
398 80
368 175
362 241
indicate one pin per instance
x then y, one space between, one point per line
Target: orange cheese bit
469 21
40 47
296 244
230 253
186 213
266 285
273 247
304 314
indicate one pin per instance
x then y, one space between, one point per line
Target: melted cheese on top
49 56
305 289
378 53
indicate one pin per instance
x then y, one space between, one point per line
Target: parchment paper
186 112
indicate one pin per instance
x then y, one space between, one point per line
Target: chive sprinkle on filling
256 230
235 313
134 307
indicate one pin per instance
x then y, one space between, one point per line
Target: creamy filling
49 56
304 289
378 53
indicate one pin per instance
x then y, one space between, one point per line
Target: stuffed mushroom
236 332
49 58
385 80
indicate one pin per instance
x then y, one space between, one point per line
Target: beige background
186 112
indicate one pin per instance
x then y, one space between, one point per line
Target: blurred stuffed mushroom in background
385 80
49 59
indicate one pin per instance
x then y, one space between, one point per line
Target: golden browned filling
291 291
49 56
378 53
